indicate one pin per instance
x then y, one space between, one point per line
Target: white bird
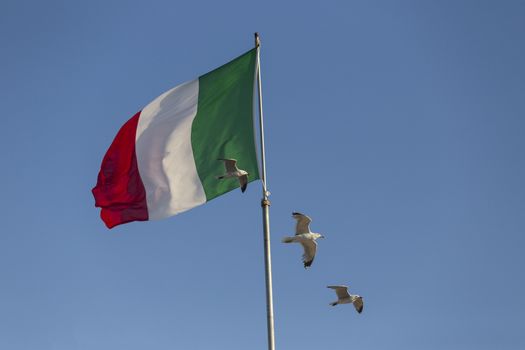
344 298
233 171
304 236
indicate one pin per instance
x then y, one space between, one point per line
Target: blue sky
397 126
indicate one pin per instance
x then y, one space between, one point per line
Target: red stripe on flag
119 190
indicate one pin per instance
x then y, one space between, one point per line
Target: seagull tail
287 240
334 303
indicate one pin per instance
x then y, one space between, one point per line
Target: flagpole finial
257 40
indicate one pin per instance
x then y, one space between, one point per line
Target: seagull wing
310 246
303 223
341 291
358 304
229 164
244 182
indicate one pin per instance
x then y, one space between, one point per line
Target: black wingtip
296 213
308 263
243 188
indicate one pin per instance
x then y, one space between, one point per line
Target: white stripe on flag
164 152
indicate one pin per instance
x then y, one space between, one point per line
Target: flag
164 160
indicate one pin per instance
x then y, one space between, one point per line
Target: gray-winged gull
304 236
233 171
343 297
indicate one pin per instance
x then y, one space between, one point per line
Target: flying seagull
304 236
344 298
233 171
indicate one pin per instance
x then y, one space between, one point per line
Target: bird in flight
343 297
304 236
233 171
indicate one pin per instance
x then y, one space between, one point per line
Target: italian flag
164 160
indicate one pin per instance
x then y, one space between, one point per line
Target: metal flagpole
265 204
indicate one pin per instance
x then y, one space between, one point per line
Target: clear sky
397 126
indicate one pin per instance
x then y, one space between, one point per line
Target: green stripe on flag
223 126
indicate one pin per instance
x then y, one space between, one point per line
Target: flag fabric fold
164 160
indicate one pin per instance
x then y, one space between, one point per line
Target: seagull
344 298
304 236
233 171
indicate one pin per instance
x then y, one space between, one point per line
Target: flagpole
265 204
